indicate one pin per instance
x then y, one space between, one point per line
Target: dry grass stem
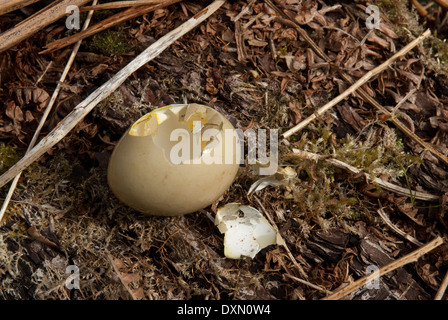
357 84
307 284
364 95
11 5
288 251
120 4
411 257
442 288
128 14
408 237
442 3
83 108
45 114
20 32
382 183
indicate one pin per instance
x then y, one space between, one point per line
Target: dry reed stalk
364 95
83 108
45 114
411 257
11 5
107 23
15 35
372 73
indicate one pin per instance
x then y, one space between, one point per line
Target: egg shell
246 230
143 175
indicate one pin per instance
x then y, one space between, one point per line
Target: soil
254 67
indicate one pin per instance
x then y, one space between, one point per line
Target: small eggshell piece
246 230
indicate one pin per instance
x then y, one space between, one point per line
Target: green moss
406 24
325 194
438 48
8 157
110 43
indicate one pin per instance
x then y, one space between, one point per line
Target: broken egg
175 160
245 230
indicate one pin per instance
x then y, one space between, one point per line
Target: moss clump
406 24
111 43
402 17
8 157
324 194
438 48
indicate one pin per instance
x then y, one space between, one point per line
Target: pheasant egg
175 160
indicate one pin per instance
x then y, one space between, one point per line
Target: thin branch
45 114
382 183
107 23
120 4
442 289
386 219
20 32
411 257
83 108
11 5
364 95
400 103
357 84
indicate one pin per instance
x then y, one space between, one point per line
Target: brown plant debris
362 188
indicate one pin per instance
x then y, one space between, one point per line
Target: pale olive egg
175 160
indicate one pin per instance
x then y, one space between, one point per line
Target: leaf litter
253 66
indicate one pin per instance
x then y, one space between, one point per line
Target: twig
382 183
243 12
128 14
239 41
357 84
307 283
45 114
442 3
83 108
400 103
411 257
442 289
11 5
420 9
386 219
290 255
20 32
364 95
120 4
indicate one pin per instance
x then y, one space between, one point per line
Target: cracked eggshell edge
246 231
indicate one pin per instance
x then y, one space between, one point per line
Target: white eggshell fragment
175 160
245 230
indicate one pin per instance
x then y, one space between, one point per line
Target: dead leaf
127 278
306 13
138 293
32 95
14 112
409 210
295 112
35 234
99 69
350 116
28 116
